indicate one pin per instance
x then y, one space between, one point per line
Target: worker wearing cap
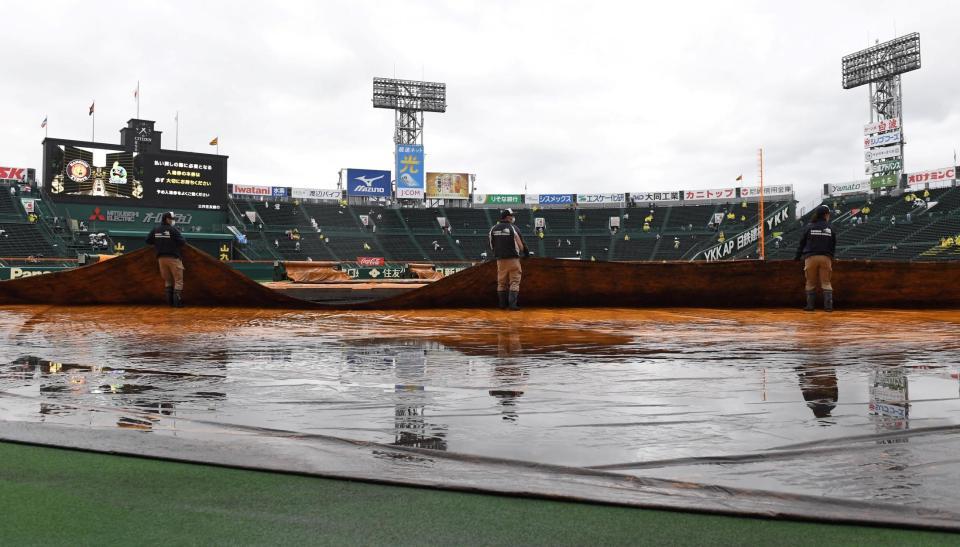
168 242
507 246
817 247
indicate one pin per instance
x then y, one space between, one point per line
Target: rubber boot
170 296
827 300
502 300
512 299
177 300
811 301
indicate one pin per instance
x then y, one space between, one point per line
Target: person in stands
168 242
507 246
817 247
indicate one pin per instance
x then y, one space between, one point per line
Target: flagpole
93 123
138 99
763 249
177 119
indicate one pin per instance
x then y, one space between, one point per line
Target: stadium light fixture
409 99
882 61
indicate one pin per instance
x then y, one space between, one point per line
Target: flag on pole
215 141
44 124
91 108
136 92
740 178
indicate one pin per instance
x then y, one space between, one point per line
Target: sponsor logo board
554 199
251 190
884 153
368 182
888 166
583 199
12 173
448 185
654 197
410 171
498 199
882 126
314 193
884 180
933 175
279 191
882 139
852 187
744 239
370 261
768 190
722 193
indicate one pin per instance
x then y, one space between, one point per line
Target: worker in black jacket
168 242
817 247
507 246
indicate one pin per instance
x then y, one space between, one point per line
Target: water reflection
818 384
573 387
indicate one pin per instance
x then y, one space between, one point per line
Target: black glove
526 253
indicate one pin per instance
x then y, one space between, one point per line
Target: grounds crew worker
168 241
817 246
507 246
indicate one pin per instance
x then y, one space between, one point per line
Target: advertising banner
744 239
448 185
250 190
600 199
280 192
13 173
882 139
28 271
852 187
555 199
881 153
884 180
368 182
768 190
411 183
498 199
887 166
28 205
376 272
657 197
722 193
314 193
934 175
370 261
881 126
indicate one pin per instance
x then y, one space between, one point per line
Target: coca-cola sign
370 261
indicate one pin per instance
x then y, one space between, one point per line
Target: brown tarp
314 272
425 272
134 279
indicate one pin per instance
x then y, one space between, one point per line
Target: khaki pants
508 274
171 270
817 268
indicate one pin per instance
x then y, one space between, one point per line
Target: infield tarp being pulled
133 279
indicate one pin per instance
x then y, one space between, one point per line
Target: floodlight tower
879 67
409 99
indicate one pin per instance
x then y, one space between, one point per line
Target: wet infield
859 409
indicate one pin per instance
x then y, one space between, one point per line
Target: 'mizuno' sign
367 182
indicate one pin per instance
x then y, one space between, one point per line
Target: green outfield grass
52 496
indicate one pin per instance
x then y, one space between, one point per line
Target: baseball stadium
400 358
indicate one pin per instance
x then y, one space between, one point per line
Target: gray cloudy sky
565 96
